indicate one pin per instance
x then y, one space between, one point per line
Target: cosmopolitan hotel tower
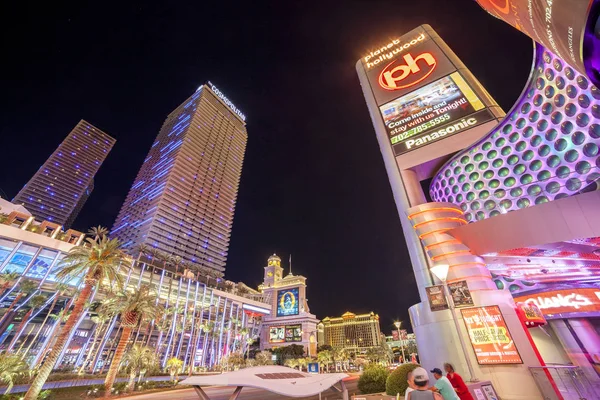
183 199
60 188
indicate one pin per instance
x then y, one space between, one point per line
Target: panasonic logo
420 141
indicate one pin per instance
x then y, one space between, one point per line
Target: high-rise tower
59 189
183 199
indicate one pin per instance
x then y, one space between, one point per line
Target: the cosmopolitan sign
226 101
565 301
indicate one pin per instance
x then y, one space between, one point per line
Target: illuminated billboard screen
440 104
293 333
277 334
489 336
287 302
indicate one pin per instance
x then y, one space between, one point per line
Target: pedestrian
443 385
411 384
422 391
457 383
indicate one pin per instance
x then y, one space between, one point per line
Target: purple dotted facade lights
546 148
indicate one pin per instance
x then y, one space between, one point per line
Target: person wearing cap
457 383
422 392
443 385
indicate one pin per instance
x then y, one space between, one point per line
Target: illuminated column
436 334
431 222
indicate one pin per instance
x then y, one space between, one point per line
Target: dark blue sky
313 182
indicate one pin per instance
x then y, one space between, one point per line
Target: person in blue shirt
443 385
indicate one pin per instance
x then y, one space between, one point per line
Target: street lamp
441 272
398 324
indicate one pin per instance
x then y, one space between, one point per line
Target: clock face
269 274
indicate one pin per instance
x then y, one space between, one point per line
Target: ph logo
403 76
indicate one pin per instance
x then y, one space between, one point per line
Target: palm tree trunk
63 337
10 308
110 349
19 329
131 382
25 340
42 327
116 361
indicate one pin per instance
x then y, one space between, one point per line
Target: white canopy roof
281 380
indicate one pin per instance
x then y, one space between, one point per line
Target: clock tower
273 271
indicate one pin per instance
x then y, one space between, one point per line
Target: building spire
291 264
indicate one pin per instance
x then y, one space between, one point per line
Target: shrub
397 383
373 379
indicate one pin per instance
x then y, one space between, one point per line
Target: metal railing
570 381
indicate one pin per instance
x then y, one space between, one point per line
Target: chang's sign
568 301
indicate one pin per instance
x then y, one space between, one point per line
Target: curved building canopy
281 380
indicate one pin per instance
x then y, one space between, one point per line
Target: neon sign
565 301
388 51
392 78
226 101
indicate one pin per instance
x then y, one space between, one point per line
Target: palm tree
133 308
174 368
7 279
291 362
61 290
177 262
302 363
11 367
99 260
264 358
25 287
34 302
138 359
98 233
324 357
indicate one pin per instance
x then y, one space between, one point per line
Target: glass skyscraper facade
183 199
60 187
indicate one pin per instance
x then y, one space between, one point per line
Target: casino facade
508 202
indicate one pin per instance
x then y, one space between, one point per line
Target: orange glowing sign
489 336
397 77
564 301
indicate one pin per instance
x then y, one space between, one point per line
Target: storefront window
41 264
57 267
6 246
21 259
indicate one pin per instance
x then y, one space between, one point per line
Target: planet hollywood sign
390 50
565 301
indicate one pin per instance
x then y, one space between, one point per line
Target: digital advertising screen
293 333
287 302
489 336
277 334
447 102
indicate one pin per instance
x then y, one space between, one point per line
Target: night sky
313 181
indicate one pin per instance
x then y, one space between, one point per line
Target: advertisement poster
440 103
395 336
489 336
403 334
479 394
287 302
437 299
293 333
490 393
276 334
461 295
558 25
